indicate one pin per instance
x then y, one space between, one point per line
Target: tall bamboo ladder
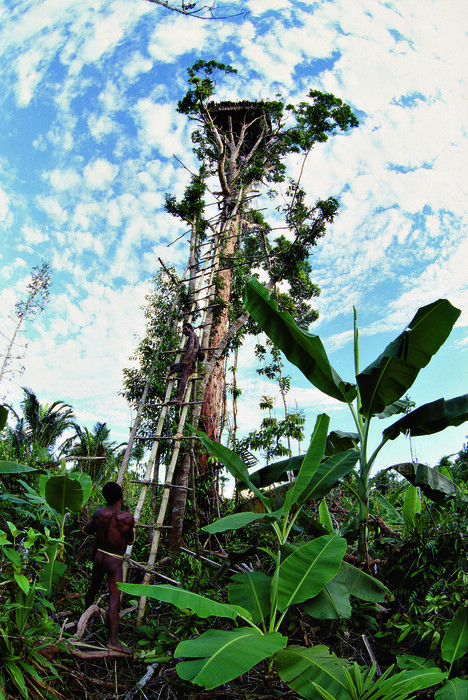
202 283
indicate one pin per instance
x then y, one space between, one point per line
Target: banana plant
378 389
453 648
309 573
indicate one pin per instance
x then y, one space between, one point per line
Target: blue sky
89 145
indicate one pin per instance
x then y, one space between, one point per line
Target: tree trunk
178 501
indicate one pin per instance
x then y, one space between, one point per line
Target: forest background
92 142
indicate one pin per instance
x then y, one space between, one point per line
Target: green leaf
51 572
22 582
455 641
252 591
273 473
362 586
411 506
13 468
225 655
230 459
86 484
332 602
63 493
17 677
453 689
273 498
303 349
325 517
399 406
408 661
338 441
392 512
3 417
306 571
182 599
431 418
386 380
328 473
407 682
238 520
432 483
310 463
300 667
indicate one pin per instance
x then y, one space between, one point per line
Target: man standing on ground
114 529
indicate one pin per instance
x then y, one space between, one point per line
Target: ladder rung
154 527
157 483
167 437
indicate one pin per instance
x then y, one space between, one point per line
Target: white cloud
100 173
62 180
137 64
162 128
52 208
4 204
101 126
33 235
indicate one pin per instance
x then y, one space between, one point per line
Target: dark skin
187 366
114 529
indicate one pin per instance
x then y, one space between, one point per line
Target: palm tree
96 445
38 430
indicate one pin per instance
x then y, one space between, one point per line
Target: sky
91 142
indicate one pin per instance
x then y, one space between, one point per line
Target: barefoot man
114 530
187 366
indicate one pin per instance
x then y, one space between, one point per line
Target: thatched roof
239 113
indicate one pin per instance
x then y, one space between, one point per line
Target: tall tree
97 445
201 10
41 426
27 309
244 144
242 147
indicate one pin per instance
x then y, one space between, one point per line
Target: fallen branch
142 682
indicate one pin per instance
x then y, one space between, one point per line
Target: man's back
113 528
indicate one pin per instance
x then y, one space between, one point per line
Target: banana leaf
299 667
303 349
432 483
231 461
325 517
251 590
399 406
455 641
362 586
308 569
332 602
86 484
14 468
453 689
338 441
411 506
328 473
51 572
274 497
394 515
182 599
3 417
431 418
312 459
273 473
238 520
386 379
63 493
221 656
